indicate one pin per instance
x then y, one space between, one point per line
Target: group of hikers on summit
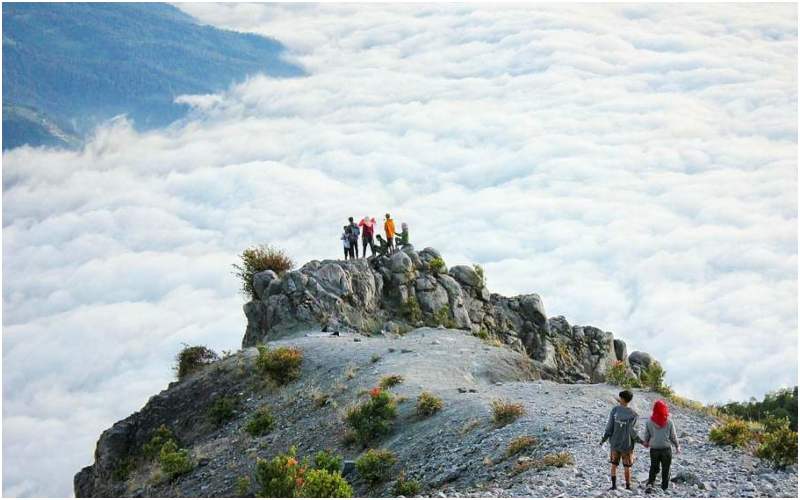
659 436
366 229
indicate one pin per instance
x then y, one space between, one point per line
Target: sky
635 165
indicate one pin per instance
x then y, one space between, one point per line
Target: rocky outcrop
396 293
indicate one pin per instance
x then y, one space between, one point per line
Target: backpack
622 439
352 232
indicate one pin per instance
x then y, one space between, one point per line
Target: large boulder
467 276
639 362
261 281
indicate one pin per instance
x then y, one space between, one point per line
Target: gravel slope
457 452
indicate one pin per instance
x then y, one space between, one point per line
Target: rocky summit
408 289
428 329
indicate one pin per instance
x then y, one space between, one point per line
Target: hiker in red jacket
367 226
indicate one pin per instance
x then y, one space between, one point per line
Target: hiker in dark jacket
622 436
353 232
659 434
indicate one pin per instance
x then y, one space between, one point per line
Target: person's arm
609 427
647 434
636 438
673 436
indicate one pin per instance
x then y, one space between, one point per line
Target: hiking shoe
648 489
613 487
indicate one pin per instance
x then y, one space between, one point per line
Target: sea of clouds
635 165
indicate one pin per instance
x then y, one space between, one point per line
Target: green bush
321 483
159 438
123 469
405 487
617 374
653 377
428 404
504 412
257 259
375 466
437 265
192 358
442 317
282 364
372 418
482 334
280 476
328 461
262 422
223 409
390 381
242 486
779 444
174 461
479 271
733 431
410 310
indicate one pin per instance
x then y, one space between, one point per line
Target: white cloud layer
635 165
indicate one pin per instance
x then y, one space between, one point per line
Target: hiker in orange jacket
388 228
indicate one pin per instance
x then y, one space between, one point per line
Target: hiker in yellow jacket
388 228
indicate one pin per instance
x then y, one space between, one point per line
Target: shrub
428 404
281 476
390 381
504 412
159 438
779 444
260 423
242 486
123 469
257 259
321 483
561 459
479 271
410 310
519 444
437 265
223 409
653 377
375 465
732 431
282 364
372 418
375 358
442 317
482 334
192 358
328 460
405 487
174 461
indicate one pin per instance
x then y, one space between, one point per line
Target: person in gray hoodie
659 434
622 436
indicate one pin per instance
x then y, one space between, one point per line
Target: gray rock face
639 361
370 295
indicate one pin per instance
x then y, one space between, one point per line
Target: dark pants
354 247
660 459
367 240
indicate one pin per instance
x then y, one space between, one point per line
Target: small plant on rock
617 374
321 483
261 422
192 358
520 443
411 311
390 381
428 404
159 438
779 444
505 412
442 317
257 259
174 461
328 460
282 364
242 486
479 271
733 431
223 409
437 265
405 487
372 418
375 466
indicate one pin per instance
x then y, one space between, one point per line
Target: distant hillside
70 66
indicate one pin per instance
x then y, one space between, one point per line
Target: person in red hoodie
367 225
659 434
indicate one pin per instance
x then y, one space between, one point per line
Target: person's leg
354 246
627 463
614 464
666 461
345 254
654 466
364 245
